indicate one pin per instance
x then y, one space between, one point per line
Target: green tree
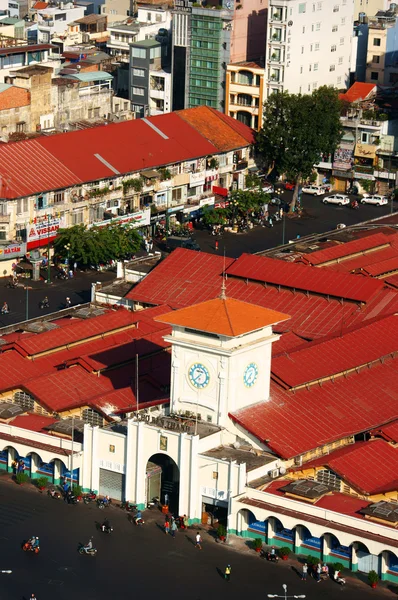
97 244
213 216
296 130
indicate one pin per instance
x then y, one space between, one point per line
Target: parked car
375 199
315 190
340 199
288 185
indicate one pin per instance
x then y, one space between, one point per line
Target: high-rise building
308 45
382 52
200 54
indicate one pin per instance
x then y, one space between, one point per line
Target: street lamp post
285 595
48 250
27 303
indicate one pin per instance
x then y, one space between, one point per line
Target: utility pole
48 250
71 456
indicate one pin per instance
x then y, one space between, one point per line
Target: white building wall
309 45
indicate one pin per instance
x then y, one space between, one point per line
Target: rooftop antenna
223 295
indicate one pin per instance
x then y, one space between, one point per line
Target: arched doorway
249 526
334 551
164 483
365 560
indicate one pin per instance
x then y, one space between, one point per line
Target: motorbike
88 551
102 503
137 520
44 304
106 529
90 497
338 579
54 493
354 204
153 503
269 556
62 275
27 547
127 506
71 498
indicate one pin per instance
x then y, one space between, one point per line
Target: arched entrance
249 526
163 481
365 560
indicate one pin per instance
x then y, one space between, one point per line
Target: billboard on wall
137 219
42 232
343 156
12 251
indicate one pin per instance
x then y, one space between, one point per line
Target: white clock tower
221 357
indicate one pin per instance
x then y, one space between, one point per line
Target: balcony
5 218
276 17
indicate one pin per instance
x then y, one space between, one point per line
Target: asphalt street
136 562
318 219
77 289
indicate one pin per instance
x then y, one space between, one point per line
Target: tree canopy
98 244
297 130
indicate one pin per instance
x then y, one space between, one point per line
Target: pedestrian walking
174 528
305 572
228 572
166 526
216 244
270 222
75 266
318 572
198 541
14 466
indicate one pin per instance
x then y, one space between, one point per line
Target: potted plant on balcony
41 483
275 36
373 578
258 544
284 552
221 532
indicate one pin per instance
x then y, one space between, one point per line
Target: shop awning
220 190
365 151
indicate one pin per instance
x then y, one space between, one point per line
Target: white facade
159 92
55 21
309 45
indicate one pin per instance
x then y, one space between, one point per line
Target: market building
263 387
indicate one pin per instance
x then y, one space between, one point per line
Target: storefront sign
157 218
342 174
314 542
44 229
12 251
196 179
137 219
207 201
259 526
343 156
175 209
364 176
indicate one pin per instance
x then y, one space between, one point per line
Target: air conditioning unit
298 461
274 473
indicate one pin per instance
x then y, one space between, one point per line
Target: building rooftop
358 92
146 44
90 76
220 316
53 162
250 458
89 19
340 250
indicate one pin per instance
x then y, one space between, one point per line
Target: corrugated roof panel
293 423
384 266
346 249
338 354
300 277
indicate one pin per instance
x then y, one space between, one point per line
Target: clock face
199 375
250 375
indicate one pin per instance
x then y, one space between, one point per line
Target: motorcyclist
89 546
137 517
106 526
68 302
4 308
34 542
45 303
106 500
354 204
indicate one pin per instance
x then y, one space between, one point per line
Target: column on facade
140 467
94 460
87 459
383 565
231 467
354 558
34 464
297 539
195 505
270 530
184 477
221 391
174 380
242 478
130 467
326 542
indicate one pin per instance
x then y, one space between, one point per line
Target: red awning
220 190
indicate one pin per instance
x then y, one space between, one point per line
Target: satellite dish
290 23
282 470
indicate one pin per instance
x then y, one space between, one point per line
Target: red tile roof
337 251
40 5
186 277
388 432
33 422
300 277
227 317
358 91
369 467
340 354
58 161
34 444
293 423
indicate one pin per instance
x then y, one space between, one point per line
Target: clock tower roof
223 316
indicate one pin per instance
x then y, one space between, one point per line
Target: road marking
55 582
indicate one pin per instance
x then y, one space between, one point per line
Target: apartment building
382 53
308 45
150 83
370 7
244 92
